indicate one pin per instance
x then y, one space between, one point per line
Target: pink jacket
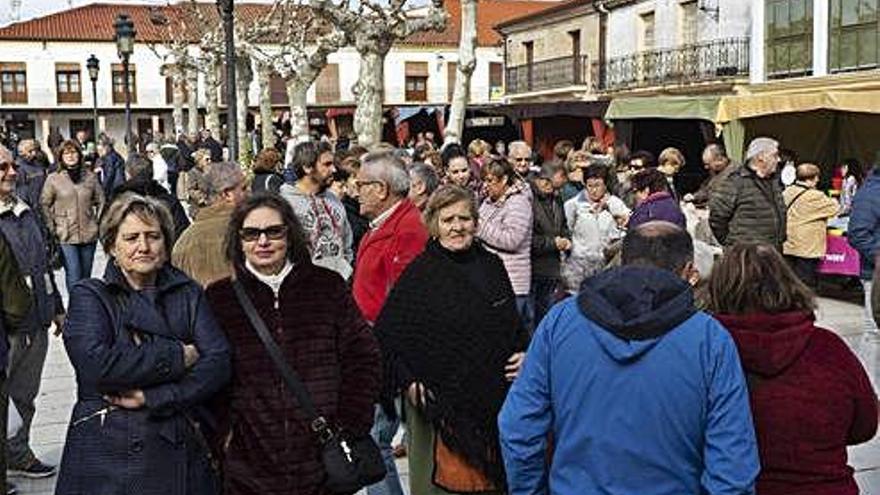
506 229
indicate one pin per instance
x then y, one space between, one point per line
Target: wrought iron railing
710 61
548 74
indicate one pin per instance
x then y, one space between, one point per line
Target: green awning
664 107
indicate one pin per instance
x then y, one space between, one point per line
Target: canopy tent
822 119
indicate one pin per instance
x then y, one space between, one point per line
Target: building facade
44 84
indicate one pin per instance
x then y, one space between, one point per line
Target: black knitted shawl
451 323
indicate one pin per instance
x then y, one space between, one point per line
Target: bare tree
374 26
304 43
467 62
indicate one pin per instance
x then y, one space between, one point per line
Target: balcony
554 73
716 60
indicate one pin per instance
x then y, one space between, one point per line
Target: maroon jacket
810 398
270 449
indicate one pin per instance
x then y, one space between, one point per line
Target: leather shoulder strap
291 379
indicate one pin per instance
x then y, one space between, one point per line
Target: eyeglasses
272 232
5 166
522 159
359 184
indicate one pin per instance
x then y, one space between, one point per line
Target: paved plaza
58 393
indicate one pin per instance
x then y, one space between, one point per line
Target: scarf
451 323
75 174
273 281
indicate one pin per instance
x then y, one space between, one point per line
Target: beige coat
200 250
72 210
807 216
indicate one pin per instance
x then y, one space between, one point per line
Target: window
416 81
496 80
327 85
68 83
13 82
169 90
688 22
789 35
853 40
647 31
119 83
277 90
530 60
451 76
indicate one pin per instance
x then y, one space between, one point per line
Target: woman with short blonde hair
452 341
148 354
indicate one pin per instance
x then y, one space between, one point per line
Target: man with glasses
200 250
520 157
396 237
748 205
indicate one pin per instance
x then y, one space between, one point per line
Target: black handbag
350 462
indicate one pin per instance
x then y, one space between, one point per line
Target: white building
44 83
651 43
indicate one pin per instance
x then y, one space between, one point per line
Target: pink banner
840 258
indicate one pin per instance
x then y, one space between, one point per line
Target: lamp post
226 8
125 34
93 66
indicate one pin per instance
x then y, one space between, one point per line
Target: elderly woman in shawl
452 341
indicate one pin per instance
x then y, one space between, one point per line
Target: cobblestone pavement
58 393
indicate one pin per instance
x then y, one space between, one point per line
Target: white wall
42 103
624 24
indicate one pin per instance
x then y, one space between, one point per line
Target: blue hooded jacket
642 394
864 223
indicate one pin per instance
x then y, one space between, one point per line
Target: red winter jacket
383 255
810 398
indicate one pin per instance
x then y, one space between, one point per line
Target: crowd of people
575 325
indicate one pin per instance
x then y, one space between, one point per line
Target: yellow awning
846 92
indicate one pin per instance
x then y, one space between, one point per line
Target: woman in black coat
147 354
453 341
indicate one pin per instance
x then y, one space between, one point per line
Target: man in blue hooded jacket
642 393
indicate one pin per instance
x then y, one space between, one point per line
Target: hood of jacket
635 306
769 343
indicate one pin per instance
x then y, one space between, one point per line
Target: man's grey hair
222 176
138 167
385 167
759 146
427 175
519 144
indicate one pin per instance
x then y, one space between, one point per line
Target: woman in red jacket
810 395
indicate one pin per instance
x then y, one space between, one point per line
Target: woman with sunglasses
268 446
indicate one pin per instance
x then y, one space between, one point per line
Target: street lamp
125 34
94 67
226 8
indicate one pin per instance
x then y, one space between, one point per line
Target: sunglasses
272 232
5 166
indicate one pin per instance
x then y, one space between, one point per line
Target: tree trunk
264 77
192 84
177 98
467 62
212 103
297 98
369 96
243 79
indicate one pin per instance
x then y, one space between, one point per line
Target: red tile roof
94 22
548 9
